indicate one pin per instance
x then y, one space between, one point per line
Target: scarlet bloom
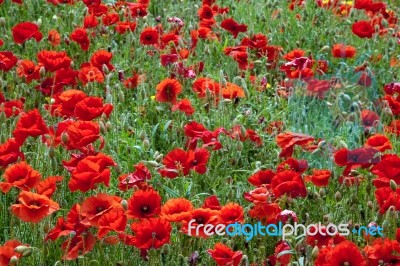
231 213
319 178
265 212
343 51
232 91
363 29
151 233
149 36
383 250
64 103
30 124
100 58
176 163
91 171
369 118
123 27
168 90
211 202
261 178
318 87
94 207
26 30
28 70
48 186
258 195
144 204
7 250
223 255
299 166
20 175
53 60
320 237
379 142
387 169
287 141
81 134
79 245
201 217
345 253
90 74
80 36
176 210
233 27
136 179
32 207
387 198
112 221
91 108
290 183
202 85
54 38
352 159
7 61
184 106
10 151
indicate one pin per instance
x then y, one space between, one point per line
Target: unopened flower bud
21 249
153 163
64 138
159 158
146 143
322 192
14 260
314 252
338 196
2 21
27 252
393 185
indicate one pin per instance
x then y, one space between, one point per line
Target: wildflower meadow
199 132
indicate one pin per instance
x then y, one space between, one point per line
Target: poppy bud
67 41
51 152
393 185
121 96
14 260
239 146
146 143
322 193
27 252
325 48
124 204
102 127
314 252
159 158
21 249
94 263
39 22
64 138
338 196
2 21
108 125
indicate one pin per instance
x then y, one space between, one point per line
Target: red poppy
205 12
48 186
387 169
202 85
30 124
318 87
110 19
134 81
231 213
80 36
201 217
149 36
383 251
144 204
394 127
168 90
81 133
32 207
102 58
54 37
138 178
232 91
53 60
195 131
184 106
290 183
7 251
319 178
369 118
343 51
10 151
387 198
12 107
352 159
91 108
176 210
265 212
223 255
233 27
151 233
212 203
26 30
363 29
64 103
94 207
7 61
123 27
28 70
299 166
259 195
20 175
90 74
345 253
320 237
379 142
77 246
112 221
280 256
91 171
261 178
197 159
287 141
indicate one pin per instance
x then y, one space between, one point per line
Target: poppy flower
100 58
383 250
319 178
149 36
90 74
48 186
343 51
205 12
299 166
138 178
7 251
265 212
290 183
363 29
175 163
387 198
259 195
10 151
134 81
91 171
345 253
287 141
184 106
81 134
369 118
319 237
54 37
77 246
280 256
352 159
200 216
365 79
233 27
318 87
211 202
144 204
91 108
197 159
30 124
223 255
26 30
32 207
28 70
232 91
64 103
176 210
387 169
12 107
7 60
394 104
261 178
168 90
202 85
20 175
231 213
196 131
80 36
112 221
123 27
151 233
110 19
94 207
379 142
53 60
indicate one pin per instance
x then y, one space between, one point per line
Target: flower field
189 132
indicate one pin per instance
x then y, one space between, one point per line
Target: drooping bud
393 185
